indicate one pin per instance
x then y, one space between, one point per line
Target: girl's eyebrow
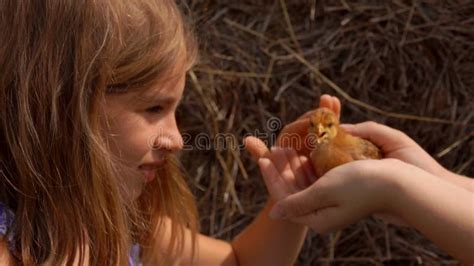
167 100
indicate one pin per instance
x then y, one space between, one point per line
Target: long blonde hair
58 59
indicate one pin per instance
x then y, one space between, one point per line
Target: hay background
264 59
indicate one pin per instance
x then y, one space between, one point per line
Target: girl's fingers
305 115
297 169
256 147
297 128
294 136
332 103
308 169
326 101
275 184
282 164
336 105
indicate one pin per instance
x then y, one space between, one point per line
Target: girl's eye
155 109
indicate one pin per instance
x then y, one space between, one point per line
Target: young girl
408 187
88 93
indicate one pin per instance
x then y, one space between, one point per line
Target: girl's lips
149 169
152 165
149 175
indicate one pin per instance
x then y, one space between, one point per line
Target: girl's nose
170 139
174 141
176 138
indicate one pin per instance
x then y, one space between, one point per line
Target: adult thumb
381 135
299 204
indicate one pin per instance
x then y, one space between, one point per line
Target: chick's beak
320 130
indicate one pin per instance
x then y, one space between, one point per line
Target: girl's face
142 129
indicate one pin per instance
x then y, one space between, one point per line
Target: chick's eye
154 109
330 124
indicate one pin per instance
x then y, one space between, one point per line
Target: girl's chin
134 193
136 184
133 190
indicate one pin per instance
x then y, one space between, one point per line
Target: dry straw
408 64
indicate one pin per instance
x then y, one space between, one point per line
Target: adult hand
344 195
395 144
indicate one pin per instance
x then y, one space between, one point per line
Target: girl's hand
285 173
344 195
283 170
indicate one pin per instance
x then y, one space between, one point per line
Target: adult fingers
327 220
390 218
383 136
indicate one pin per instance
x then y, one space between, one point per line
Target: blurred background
407 64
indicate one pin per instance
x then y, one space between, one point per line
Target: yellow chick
332 146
